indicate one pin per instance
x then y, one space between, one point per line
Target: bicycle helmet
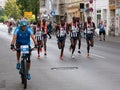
23 23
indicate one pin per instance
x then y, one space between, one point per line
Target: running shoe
28 76
38 56
18 66
72 56
88 56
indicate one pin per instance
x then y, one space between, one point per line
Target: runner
50 27
38 36
79 33
45 31
73 35
61 36
89 26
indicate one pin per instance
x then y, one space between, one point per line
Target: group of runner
61 30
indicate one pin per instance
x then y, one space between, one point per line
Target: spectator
101 31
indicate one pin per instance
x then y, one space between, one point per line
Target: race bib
89 30
24 49
62 32
38 33
74 34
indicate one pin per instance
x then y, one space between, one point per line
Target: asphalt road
99 72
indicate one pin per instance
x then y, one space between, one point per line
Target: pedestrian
101 31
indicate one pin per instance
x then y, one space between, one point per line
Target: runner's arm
67 28
85 26
33 38
94 26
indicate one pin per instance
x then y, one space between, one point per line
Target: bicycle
25 52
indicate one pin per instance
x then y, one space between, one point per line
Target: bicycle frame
25 51
24 65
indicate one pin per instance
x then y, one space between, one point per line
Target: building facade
79 8
117 17
102 13
73 9
107 11
2 3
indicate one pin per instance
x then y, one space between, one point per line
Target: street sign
27 14
52 13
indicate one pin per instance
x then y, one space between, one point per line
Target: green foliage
3 18
1 11
12 9
31 19
29 6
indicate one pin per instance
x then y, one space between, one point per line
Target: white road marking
99 56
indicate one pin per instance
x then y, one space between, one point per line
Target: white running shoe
72 56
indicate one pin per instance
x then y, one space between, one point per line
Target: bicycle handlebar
30 49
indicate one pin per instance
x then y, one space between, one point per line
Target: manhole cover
64 68
2 84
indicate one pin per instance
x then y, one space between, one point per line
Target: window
98 11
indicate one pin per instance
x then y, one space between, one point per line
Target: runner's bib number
62 32
90 30
74 31
73 34
39 33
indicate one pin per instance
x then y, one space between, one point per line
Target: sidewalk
114 39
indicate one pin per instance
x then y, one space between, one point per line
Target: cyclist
22 37
38 36
73 35
89 26
61 36
45 31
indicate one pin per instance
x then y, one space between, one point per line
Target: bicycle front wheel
25 73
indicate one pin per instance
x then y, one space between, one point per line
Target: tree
12 9
29 6
1 11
